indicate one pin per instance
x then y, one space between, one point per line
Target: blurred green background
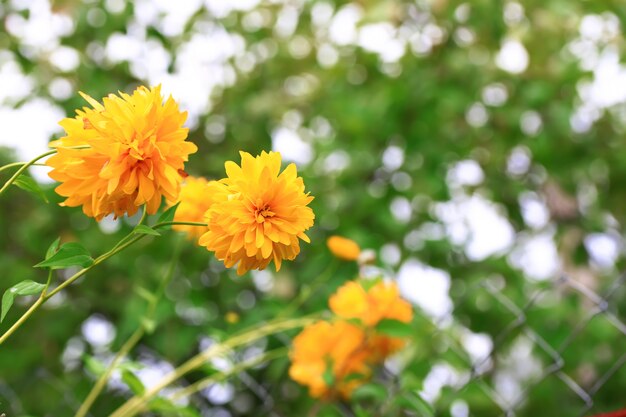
476 147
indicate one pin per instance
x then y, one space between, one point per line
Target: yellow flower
196 196
382 301
135 148
343 248
260 215
336 349
231 317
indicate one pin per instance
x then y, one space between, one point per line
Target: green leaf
370 392
412 401
53 248
394 328
134 383
360 412
94 365
142 229
70 254
26 287
328 376
168 215
166 406
148 324
28 184
354 376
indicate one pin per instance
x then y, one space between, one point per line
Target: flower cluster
121 154
130 151
259 213
334 357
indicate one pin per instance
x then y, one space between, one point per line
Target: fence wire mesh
577 381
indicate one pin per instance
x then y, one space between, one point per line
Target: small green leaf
53 248
354 376
70 254
394 328
148 324
26 287
134 383
412 401
370 392
166 406
142 229
168 215
94 365
360 412
328 376
28 184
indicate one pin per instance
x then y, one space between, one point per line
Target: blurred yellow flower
135 151
231 317
196 196
343 248
261 214
334 358
330 358
381 301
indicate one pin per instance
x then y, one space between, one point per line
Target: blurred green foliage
356 108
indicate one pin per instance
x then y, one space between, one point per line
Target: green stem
310 290
11 165
24 168
26 165
135 404
116 249
203 383
130 235
133 339
17 164
165 224
104 378
46 296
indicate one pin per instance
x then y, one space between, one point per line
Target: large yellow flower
135 149
196 196
334 348
261 216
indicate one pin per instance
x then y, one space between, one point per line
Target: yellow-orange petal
136 148
343 248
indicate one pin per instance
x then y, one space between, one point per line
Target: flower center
262 213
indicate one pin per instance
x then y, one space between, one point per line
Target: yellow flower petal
136 148
343 248
259 216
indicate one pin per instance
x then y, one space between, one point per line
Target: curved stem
24 168
310 290
26 165
136 403
203 383
133 339
104 378
17 164
46 296
116 249
144 214
165 224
